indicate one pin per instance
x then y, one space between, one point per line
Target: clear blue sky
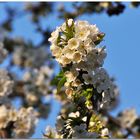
123 48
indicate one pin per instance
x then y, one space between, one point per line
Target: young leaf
61 83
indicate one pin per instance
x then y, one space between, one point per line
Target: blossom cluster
80 131
39 79
51 133
36 89
18 123
73 125
73 42
29 57
6 84
75 46
3 53
127 117
23 121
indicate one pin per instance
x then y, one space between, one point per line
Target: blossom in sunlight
72 41
3 117
25 123
104 132
75 46
24 120
74 115
51 133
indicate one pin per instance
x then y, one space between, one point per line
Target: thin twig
89 114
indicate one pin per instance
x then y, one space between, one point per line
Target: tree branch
117 123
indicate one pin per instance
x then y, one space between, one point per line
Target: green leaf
69 30
59 80
61 83
89 95
100 38
87 92
56 79
88 103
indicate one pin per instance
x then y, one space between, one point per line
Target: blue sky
122 41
